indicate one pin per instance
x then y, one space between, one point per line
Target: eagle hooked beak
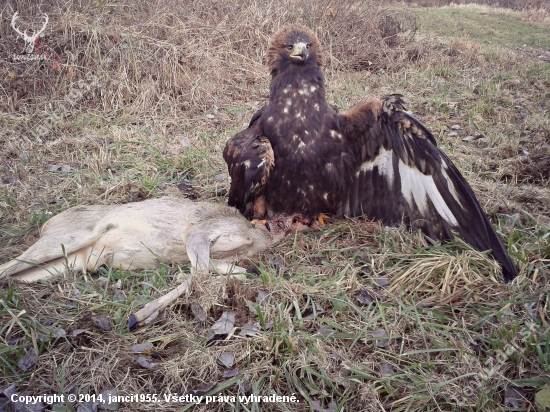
299 51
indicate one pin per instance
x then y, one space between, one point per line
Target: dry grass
169 57
141 105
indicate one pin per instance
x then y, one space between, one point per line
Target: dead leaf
385 369
101 321
11 181
18 406
224 325
198 311
77 332
141 347
21 406
230 373
110 406
380 333
10 390
382 281
145 361
52 168
226 359
364 298
245 388
28 360
514 397
3 402
59 333
336 357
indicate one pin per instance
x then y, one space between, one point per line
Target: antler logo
30 40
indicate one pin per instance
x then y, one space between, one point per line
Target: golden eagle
300 155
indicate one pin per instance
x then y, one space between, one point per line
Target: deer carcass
140 235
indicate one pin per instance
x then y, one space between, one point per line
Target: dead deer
139 236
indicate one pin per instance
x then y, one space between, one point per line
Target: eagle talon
262 222
321 217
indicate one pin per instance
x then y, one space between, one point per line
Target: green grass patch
503 29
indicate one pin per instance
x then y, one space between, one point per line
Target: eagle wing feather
250 160
402 176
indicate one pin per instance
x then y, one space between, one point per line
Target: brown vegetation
175 55
140 104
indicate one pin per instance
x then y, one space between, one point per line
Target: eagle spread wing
301 156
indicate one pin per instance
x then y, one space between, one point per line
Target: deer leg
152 310
198 251
224 268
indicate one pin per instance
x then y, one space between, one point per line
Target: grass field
499 27
352 317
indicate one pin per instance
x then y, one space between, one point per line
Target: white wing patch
419 187
384 161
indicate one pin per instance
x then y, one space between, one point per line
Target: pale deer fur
141 235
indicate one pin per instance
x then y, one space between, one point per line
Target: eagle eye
307 45
289 47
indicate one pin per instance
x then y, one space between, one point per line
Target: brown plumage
299 155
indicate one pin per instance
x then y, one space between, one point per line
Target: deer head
30 40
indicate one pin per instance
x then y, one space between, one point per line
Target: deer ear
198 250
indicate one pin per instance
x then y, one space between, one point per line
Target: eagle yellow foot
321 217
318 220
254 222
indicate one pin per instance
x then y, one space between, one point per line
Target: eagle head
294 45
